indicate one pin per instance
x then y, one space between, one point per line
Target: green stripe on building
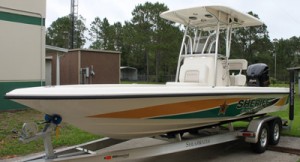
8 86
12 17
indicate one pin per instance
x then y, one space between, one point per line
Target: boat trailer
106 149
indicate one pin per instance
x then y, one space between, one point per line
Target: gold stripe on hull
169 109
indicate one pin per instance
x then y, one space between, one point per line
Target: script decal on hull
255 105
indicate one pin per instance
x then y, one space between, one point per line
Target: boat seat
240 65
238 80
237 64
194 73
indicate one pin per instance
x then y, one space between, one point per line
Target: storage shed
83 66
129 73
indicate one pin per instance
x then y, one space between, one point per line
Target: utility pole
73 18
275 41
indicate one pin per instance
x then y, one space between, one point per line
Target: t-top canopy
207 17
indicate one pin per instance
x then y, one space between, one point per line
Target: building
23 62
82 66
53 55
22 46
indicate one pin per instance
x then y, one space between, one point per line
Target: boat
205 92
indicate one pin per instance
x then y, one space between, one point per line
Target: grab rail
185 46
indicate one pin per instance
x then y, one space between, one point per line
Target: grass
295 130
11 123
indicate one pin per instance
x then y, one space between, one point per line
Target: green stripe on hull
24 19
8 86
212 113
288 100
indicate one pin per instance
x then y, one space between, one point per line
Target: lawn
295 131
11 123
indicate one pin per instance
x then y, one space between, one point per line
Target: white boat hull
131 111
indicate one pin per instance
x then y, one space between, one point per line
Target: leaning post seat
240 65
199 68
193 70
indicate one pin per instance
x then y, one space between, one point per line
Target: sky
282 17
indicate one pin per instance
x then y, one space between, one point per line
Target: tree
251 42
156 39
58 34
105 36
102 31
95 34
118 36
288 54
147 42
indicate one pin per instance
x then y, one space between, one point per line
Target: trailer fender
255 126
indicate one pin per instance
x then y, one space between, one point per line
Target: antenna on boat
292 93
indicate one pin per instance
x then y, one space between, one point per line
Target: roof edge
95 50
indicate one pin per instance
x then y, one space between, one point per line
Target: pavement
235 151
227 152
289 142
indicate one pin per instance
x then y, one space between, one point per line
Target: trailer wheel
263 137
275 128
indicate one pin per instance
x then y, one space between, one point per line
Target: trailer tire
261 145
275 128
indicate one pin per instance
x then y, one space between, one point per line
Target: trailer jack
29 133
